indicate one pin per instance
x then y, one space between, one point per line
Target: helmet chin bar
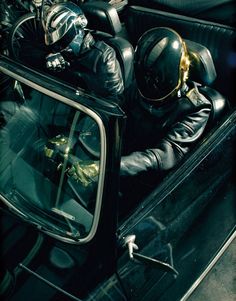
176 90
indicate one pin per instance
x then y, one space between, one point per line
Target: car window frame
94 115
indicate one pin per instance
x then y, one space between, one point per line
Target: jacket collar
88 42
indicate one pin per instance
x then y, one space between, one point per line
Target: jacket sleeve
111 72
171 149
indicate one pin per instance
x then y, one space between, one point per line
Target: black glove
138 162
56 62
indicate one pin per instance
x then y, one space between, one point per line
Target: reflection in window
49 163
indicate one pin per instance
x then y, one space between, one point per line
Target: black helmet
62 22
161 63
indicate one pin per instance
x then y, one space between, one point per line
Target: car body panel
180 226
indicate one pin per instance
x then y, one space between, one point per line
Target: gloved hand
84 172
57 147
56 62
57 150
138 162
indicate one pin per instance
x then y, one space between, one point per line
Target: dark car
64 239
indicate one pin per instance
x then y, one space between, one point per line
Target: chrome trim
12 207
46 281
209 267
102 157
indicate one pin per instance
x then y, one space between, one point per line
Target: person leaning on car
166 114
93 63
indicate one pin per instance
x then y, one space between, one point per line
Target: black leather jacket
97 69
158 136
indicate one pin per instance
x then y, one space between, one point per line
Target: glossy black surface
184 222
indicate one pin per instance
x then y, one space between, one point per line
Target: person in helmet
92 64
166 114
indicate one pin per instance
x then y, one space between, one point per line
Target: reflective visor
53 35
65 41
157 65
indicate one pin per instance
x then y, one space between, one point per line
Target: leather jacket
97 69
157 136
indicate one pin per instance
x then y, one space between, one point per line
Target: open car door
60 150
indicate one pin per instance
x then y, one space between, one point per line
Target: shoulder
97 55
197 98
103 47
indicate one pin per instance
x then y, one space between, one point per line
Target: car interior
211 46
122 28
134 20
211 39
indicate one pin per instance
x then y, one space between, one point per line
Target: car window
49 163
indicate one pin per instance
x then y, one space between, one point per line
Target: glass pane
49 162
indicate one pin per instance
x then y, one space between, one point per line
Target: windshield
49 162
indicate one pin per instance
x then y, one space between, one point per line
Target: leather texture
158 136
202 68
220 105
219 39
98 70
125 55
105 24
221 11
102 17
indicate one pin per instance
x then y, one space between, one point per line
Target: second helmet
161 63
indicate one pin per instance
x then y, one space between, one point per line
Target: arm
111 72
171 149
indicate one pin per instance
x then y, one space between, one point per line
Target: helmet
62 22
161 63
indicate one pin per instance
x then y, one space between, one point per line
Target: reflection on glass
49 163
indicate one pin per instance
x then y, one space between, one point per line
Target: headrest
102 16
202 69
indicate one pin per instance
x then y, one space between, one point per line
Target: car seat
218 38
104 21
202 71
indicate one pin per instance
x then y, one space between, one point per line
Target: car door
183 223
60 150
170 238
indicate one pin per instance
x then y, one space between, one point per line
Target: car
64 239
